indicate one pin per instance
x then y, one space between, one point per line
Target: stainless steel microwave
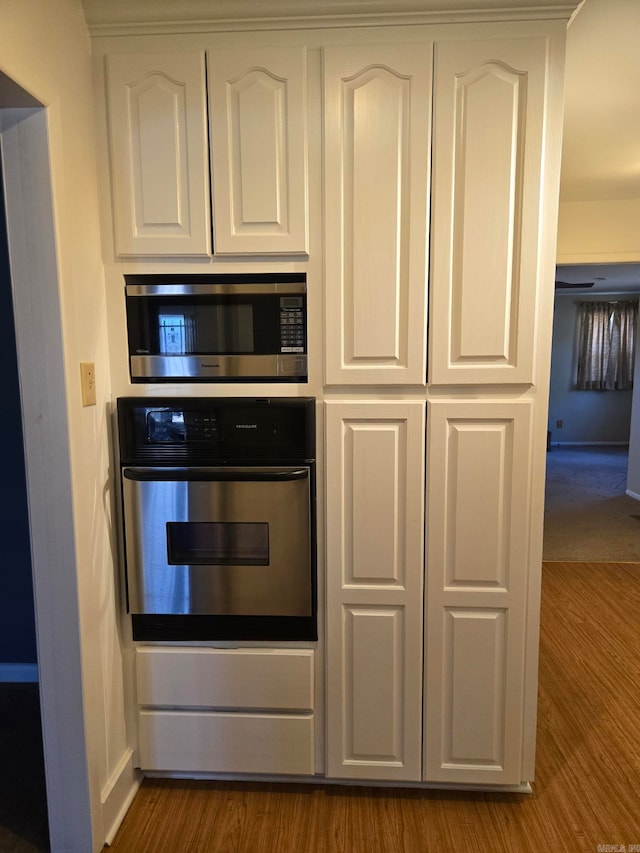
197 328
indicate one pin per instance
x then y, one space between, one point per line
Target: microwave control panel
291 324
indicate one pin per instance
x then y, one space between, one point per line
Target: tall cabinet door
258 116
374 517
478 516
377 138
159 154
489 125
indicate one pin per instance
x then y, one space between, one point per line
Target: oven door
219 541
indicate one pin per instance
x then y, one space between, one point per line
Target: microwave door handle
207 475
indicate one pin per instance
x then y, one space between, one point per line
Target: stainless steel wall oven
219 514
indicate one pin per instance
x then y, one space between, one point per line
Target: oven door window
215 543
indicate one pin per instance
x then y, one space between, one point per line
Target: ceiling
607 278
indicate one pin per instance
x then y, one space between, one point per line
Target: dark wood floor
587 787
23 799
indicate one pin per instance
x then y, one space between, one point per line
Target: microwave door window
216 327
176 333
226 328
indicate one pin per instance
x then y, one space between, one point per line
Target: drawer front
191 742
265 679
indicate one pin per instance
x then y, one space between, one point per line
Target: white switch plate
88 383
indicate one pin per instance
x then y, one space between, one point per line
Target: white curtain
607 345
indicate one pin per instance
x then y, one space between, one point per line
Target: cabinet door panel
258 108
377 127
474 708
159 154
489 125
374 634
375 487
478 516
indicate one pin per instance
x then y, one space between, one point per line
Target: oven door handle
250 475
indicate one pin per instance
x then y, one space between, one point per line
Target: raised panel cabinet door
478 566
377 164
159 154
375 523
489 126
258 120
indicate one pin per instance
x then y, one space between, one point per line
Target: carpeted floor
23 801
588 516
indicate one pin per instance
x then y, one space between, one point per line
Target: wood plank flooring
587 787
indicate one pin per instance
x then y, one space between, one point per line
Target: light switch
88 383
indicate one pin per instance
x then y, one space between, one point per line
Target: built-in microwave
218 327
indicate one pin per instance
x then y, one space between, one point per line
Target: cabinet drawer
192 742
280 679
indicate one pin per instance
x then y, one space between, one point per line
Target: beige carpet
588 516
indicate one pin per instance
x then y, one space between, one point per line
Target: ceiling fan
568 284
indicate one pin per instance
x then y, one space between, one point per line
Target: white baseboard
521 788
589 443
118 793
633 495
13 672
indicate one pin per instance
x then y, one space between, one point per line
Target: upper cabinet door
159 154
489 121
377 129
258 118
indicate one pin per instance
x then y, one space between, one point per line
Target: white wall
599 231
587 416
599 219
633 469
45 48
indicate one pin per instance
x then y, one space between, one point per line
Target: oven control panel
216 430
171 426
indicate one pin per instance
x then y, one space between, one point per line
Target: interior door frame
24 147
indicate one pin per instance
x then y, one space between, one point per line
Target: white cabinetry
496 107
375 524
226 710
478 529
377 141
258 115
159 154
431 663
159 146
489 121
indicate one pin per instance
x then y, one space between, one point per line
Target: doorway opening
23 802
594 444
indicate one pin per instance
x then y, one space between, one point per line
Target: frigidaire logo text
246 426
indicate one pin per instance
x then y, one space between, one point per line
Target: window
606 350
